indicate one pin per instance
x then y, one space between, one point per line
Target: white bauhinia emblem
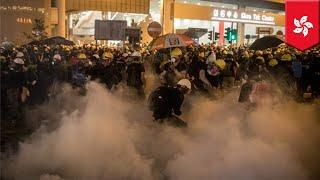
302 26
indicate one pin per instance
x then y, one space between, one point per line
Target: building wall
183 11
129 6
16 17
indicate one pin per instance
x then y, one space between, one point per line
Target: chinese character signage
241 16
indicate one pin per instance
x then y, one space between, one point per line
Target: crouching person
166 101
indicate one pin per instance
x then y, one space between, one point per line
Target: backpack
78 79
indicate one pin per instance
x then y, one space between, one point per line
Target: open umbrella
265 43
171 40
7 45
52 41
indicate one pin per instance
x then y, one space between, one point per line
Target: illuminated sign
22 8
242 17
24 20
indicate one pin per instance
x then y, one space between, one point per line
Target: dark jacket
164 101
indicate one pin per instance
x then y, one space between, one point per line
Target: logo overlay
302 23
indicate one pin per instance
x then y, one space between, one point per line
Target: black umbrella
57 40
266 42
52 41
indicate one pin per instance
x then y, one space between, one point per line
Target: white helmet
125 55
18 61
57 57
211 58
173 60
185 82
20 55
136 54
96 56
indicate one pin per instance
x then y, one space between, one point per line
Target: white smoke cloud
109 137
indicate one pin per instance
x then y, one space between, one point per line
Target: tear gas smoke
102 136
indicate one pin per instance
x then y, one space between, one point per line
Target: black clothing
164 101
134 71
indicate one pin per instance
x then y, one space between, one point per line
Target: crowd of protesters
30 74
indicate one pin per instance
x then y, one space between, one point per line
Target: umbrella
171 40
52 41
7 45
265 43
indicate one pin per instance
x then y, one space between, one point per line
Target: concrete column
240 27
167 19
47 16
61 27
240 40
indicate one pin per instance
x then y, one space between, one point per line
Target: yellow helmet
176 52
201 54
273 62
220 63
286 57
82 56
107 55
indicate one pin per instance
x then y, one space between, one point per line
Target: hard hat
82 56
173 60
2 58
125 55
201 54
273 62
96 56
57 57
260 60
176 52
19 55
230 52
185 82
136 54
107 55
259 53
220 63
224 52
286 57
35 48
246 54
18 61
211 58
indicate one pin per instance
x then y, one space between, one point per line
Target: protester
166 101
31 74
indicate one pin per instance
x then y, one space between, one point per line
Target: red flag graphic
302 23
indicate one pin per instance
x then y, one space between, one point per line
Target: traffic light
227 33
210 35
216 36
234 35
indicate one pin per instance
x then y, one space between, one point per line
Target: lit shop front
246 22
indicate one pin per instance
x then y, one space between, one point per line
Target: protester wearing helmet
166 101
135 74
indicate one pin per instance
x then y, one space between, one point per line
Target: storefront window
251 29
184 24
